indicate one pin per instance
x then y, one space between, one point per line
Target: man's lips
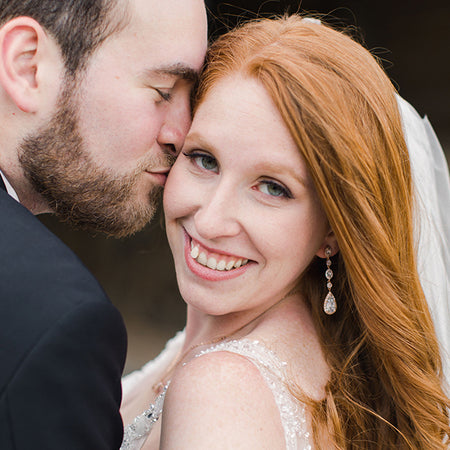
160 176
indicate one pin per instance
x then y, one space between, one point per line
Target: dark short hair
78 26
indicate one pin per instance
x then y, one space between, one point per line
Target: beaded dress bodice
272 369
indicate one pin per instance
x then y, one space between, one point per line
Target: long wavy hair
386 387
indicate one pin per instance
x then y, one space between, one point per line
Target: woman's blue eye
274 189
206 162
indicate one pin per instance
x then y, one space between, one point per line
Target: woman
290 217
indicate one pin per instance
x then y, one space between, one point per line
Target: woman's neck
203 329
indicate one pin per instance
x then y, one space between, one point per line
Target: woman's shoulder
225 360
222 392
238 378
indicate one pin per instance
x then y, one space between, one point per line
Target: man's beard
75 188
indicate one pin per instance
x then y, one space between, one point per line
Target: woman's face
243 219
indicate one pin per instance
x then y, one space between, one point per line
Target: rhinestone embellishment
142 425
329 305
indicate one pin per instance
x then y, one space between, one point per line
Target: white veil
432 221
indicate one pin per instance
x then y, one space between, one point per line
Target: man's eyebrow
178 70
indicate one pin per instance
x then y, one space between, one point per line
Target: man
94 105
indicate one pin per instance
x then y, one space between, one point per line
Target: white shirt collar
9 188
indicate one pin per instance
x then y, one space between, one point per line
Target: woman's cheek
179 193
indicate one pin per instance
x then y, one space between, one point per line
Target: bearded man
94 105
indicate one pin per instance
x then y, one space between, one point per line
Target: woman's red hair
385 389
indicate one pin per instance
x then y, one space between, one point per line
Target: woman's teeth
216 262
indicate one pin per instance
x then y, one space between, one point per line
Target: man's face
103 157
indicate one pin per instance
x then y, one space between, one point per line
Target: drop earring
329 304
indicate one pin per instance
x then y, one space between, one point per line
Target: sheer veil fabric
432 221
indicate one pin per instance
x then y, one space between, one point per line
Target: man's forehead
171 37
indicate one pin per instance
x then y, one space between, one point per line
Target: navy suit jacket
62 343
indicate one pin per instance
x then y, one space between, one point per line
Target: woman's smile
214 260
212 265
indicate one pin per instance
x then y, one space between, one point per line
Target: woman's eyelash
197 157
273 187
194 154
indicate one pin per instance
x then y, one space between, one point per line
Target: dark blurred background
412 39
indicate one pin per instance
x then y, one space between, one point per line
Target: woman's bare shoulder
220 400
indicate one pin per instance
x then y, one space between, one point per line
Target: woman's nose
217 216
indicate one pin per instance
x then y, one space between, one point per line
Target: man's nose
176 125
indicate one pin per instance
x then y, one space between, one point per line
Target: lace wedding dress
272 369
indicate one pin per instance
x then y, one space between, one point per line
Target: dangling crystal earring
329 304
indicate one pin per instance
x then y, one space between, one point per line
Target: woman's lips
229 271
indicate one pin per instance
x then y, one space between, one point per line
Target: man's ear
329 241
23 46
